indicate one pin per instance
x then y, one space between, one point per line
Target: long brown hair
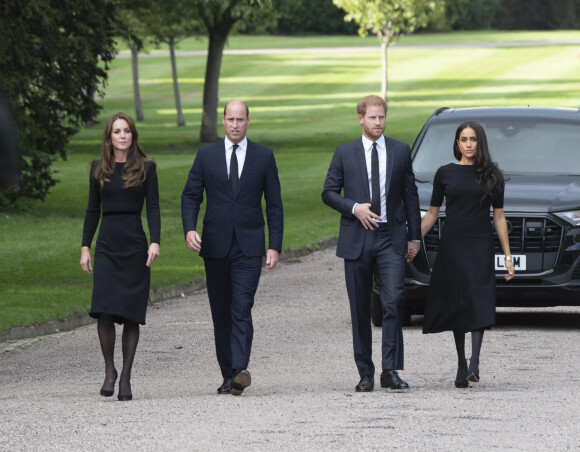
134 170
488 175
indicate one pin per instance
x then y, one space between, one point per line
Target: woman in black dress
461 294
120 181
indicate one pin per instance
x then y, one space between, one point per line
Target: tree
387 19
169 22
295 18
55 54
136 35
218 18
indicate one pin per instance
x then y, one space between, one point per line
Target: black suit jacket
227 213
348 172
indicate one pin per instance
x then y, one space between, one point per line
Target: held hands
153 253
412 250
368 219
86 263
271 258
193 241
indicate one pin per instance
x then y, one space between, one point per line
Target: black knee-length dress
120 276
461 295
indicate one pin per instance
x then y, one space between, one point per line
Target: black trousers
377 253
231 285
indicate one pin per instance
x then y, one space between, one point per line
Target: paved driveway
302 396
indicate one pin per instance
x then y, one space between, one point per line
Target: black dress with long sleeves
461 294
120 274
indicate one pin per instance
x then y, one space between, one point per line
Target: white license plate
519 261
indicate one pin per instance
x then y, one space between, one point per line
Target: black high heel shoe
109 392
473 373
473 378
125 397
461 378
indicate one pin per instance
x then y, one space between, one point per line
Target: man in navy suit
379 202
235 173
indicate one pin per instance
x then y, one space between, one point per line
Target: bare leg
130 341
106 332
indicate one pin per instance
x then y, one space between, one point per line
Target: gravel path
302 396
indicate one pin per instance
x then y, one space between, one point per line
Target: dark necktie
234 169
375 182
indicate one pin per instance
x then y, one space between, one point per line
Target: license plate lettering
519 262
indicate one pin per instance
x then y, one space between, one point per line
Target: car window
517 146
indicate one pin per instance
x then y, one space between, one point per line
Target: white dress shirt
382 152
240 154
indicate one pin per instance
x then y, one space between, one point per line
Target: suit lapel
390 163
247 168
362 167
222 167
220 150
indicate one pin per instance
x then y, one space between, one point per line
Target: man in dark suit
235 173
378 203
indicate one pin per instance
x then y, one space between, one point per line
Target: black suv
539 151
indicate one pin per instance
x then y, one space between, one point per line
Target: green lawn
456 37
302 105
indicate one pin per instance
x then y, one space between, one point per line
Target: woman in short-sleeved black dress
120 183
461 295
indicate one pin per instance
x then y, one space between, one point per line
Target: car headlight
572 217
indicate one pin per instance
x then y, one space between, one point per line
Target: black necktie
375 182
234 169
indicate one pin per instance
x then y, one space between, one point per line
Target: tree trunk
180 119
384 68
217 41
136 91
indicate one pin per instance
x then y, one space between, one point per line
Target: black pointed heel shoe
461 378
125 397
473 378
108 392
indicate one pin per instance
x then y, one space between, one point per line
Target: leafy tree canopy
54 61
387 18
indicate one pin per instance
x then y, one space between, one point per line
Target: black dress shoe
391 379
226 386
240 382
366 384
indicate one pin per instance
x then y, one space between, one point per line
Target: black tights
476 340
130 339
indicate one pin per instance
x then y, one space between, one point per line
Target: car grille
526 235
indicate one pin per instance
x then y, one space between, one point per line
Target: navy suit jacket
227 213
348 173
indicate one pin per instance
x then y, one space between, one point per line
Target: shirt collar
368 144
243 145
